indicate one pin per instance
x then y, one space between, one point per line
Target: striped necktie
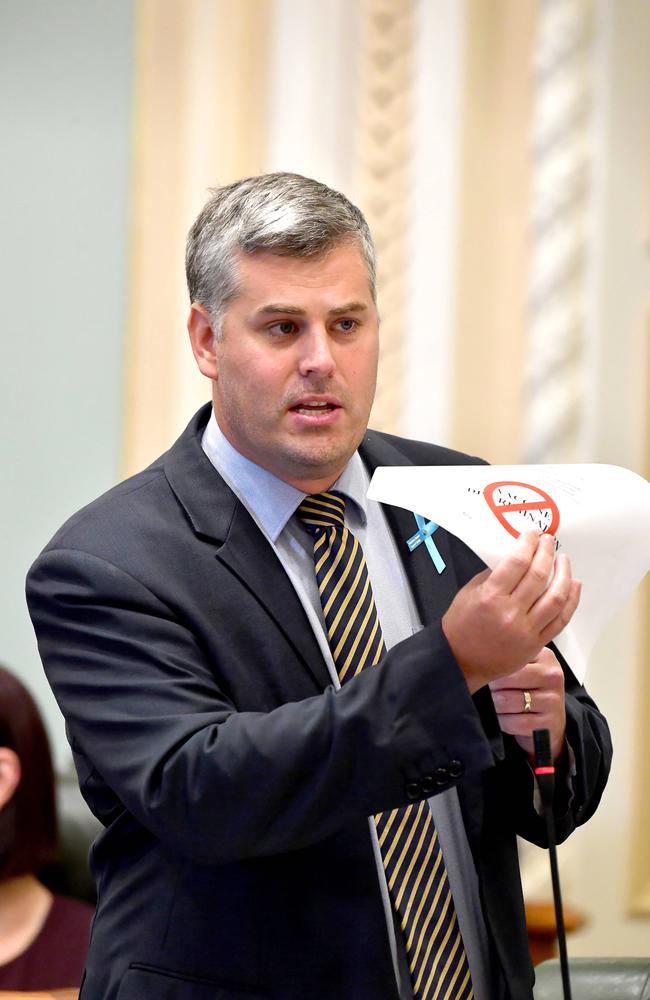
412 857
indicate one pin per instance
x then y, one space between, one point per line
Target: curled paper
599 514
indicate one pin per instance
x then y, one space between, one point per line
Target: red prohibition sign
539 500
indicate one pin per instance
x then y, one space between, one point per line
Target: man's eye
348 325
285 327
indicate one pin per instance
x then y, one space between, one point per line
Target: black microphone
545 773
544 767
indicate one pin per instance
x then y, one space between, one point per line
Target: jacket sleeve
155 731
581 773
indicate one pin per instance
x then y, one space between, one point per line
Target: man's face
295 369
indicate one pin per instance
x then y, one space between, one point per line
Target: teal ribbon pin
423 534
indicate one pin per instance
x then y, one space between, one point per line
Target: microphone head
542 743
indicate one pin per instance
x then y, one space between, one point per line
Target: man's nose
316 353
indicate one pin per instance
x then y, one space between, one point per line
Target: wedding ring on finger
528 701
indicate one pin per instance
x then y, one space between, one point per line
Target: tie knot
322 510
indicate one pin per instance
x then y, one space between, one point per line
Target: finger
551 603
509 571
530 673
528 676
535 582
513 702
545 658
557 624
524 725
544 672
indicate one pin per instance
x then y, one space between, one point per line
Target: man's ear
9 775
202 338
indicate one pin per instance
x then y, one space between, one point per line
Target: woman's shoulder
65 908
68 919
56 956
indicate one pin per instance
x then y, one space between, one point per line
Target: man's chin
323 454
317 463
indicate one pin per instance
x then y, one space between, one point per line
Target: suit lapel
216 515
249 556
433 592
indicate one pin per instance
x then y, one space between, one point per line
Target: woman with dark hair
43 938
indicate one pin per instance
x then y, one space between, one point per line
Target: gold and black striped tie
413 862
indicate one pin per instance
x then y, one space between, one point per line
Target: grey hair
290 215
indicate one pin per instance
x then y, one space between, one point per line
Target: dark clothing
233 781
55 958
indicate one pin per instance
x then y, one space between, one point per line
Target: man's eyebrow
287 310
279 307
348 308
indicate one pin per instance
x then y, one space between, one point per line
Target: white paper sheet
600 515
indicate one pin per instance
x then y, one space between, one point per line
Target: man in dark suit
180 625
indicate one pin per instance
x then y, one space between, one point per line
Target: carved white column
562 182
385 177
556 359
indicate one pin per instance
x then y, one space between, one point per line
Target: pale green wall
65 121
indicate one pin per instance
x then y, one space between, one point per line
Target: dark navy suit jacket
233 782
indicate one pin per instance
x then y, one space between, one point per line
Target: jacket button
413 790
441 776
428 784
455 768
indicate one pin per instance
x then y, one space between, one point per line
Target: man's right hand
503 617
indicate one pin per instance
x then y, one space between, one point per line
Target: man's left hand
540 685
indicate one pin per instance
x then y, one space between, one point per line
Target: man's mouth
315 407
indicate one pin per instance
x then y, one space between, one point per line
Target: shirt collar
270 500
